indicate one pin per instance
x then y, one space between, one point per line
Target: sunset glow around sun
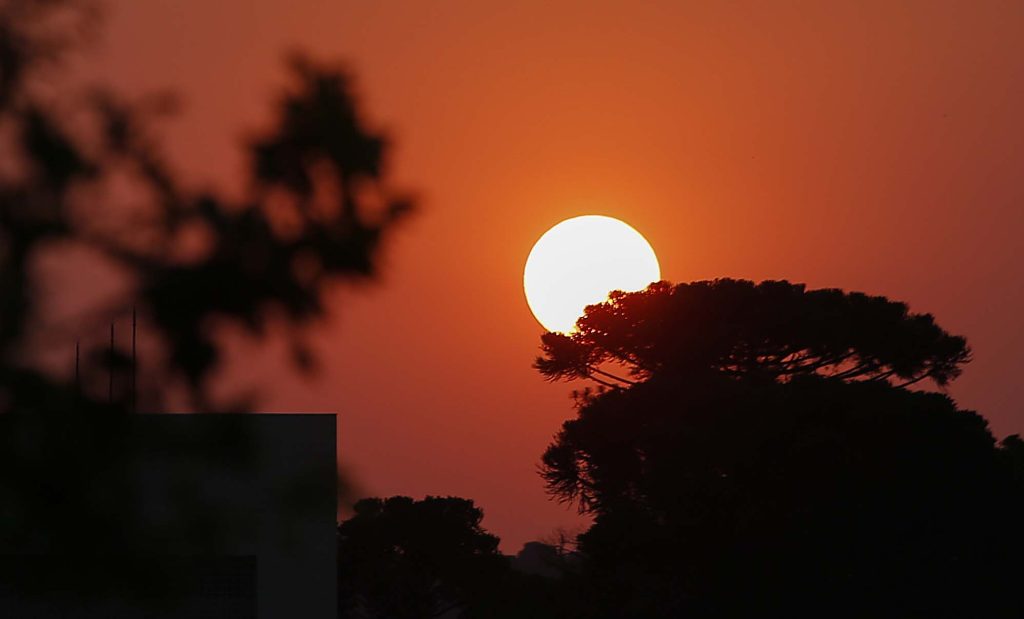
578 262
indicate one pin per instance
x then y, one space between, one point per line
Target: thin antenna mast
134 361
110 388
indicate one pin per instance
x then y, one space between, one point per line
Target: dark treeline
751 450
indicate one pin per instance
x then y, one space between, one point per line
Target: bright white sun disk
578 262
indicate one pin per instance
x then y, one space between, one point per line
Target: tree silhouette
764 457
404 559
775 330
317 206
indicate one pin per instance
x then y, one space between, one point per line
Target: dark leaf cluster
85 170
400 558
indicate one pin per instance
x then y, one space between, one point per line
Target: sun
578 262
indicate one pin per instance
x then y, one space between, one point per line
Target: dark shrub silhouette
764 458
403 559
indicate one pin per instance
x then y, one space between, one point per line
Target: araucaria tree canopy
773 329
757 450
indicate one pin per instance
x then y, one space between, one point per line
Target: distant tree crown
773 329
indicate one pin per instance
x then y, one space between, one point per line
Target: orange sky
872 146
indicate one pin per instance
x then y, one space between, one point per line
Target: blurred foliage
317 206
81 166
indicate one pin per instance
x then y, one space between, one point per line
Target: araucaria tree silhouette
756 450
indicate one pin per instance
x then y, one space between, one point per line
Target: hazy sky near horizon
871 146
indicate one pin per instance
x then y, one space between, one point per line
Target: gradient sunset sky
871 146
